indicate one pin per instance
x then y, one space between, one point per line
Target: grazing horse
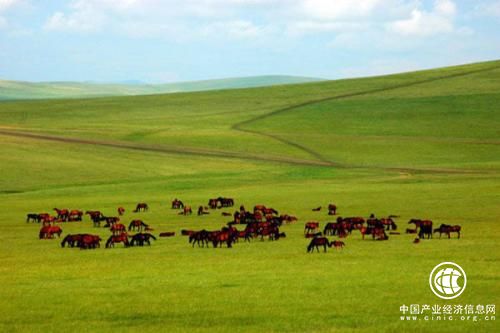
89 242
141 239
117 238
377 233
389 223
310 227
48 232
332 209
72 240
177 204
110 220
337 244
137 225
199 237
185 232
213 203
167 234
121 211
317 234
142 206
117 228
225 202
317 242
75 215
33 217
96 216
288 218
220 237
62 214
186 211
448 229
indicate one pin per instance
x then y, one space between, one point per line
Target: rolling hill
15 90
413 145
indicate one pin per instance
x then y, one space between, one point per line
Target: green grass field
18 90
417 145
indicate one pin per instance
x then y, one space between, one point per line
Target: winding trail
317 161
240 126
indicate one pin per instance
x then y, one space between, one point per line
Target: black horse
141 239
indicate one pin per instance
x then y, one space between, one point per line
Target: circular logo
447 280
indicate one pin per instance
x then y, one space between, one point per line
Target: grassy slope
262 286
15 90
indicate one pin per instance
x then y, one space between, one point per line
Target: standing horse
177 204
75 215
117 228
332 209
448 229
121 211
62 214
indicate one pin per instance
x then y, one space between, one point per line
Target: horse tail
108 243
150 235
394 226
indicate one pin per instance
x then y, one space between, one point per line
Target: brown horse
186 211
167 234
48 232
332 209
121 211
177 204
448 229
62 214
337 244
117 238
75 215
117 228
137 225
311 227
141 207
89 242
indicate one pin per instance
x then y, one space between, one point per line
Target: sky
166 41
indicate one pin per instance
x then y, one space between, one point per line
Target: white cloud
239 29
490 8
426 23
5 4
328 9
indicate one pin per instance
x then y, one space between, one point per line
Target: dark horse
141 239
317 242
142 206
72 240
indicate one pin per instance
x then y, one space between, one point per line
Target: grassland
422 144
19 90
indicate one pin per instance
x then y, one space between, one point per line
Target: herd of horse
261 222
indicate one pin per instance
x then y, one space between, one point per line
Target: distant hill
12 90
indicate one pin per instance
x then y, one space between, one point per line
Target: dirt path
240 126
235 155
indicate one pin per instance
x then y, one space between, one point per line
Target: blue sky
165 41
